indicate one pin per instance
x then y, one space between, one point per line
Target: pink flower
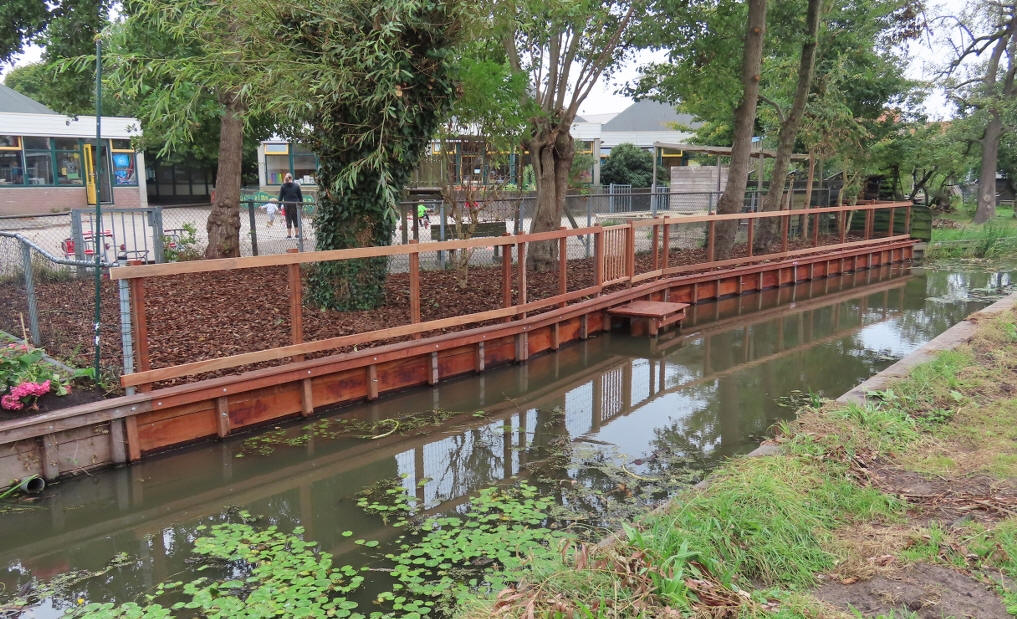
11 403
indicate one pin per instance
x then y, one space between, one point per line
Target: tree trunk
987 175
790 124
223 224
744 122
551 154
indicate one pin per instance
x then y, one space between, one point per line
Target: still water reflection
705 393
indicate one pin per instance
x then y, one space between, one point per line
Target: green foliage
994 239
271 574
25 375
627 165
445 556
182 247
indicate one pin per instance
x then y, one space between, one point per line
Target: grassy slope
766 530
996 238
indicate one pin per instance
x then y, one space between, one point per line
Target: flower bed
26 376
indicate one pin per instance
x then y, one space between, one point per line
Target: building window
124 170
276 167
10 142
11 172
305 165
68 161
39 167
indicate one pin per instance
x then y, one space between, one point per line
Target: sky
923 55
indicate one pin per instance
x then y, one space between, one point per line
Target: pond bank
901 503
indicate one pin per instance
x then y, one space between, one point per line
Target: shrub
26 376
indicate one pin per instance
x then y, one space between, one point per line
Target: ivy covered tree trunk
223 224
744 123
370 132
551 153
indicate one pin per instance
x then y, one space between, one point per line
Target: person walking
292 200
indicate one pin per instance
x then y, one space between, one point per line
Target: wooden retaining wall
124 429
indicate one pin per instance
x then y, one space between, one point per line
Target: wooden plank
667 245
307 257
522 276
117 441
658 309
563 257
415 288
222 416
598 258
785 228
372 382
630 253
306 398
432 376
50 457
656 247
478 364
752 225
295 288
133 438
139 325
506 278
711 236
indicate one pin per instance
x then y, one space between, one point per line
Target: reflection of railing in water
608 398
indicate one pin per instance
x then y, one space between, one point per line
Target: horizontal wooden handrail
292 350
250 262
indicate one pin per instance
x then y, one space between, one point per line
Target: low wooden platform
650 316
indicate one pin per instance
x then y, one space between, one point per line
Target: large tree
985 89
565 47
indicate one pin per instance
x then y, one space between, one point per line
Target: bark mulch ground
202 316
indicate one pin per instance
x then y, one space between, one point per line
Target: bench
649 317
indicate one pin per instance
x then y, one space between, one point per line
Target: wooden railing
614 257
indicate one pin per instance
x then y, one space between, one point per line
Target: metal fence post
126 332
300 226
254 227
33 308
158 232
77 238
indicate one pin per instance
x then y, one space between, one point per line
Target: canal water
592 415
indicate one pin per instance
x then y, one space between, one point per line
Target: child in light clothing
271 207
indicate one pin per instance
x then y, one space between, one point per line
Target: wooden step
648 317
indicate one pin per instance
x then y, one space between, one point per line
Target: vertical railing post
415 286
868 224
563 264
907 220
630 252
589 222
656 246
711 242
889 227
300 224
77 238
843 215
140 326
598 258
752 226
506 276
666 233
296 303
521 248
815 230
785 225
33 307
254 227
441 230
157 234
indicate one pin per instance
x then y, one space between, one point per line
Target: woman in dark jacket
292 199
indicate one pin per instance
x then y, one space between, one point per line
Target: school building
46 159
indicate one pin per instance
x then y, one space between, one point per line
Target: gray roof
647 115
13 101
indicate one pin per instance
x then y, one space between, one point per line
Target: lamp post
97 175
